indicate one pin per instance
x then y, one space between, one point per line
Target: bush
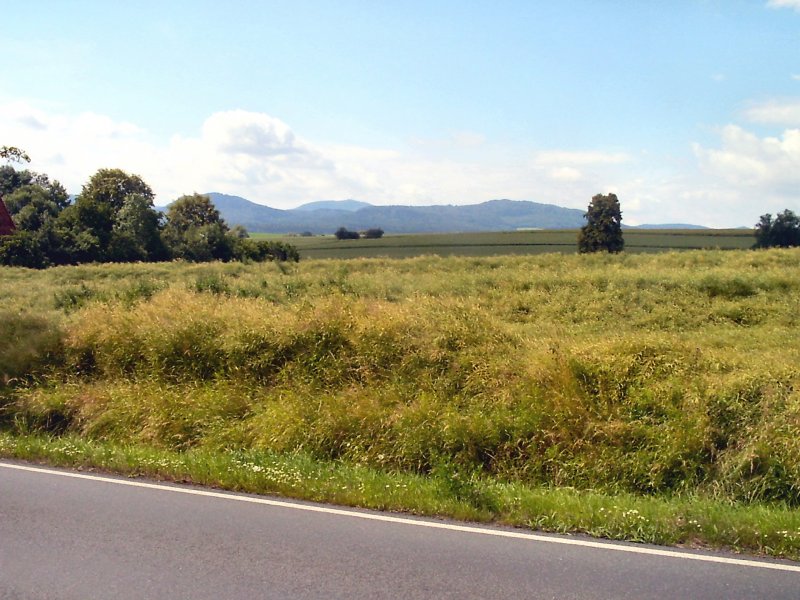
345 234
246 249
373 234
21 249
28 343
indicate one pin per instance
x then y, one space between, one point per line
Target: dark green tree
783 231
113 219
603 229
112 186
373 233
35 211
91 224
195 231
79 242
11 179
136 235
34 202
22 249
345 234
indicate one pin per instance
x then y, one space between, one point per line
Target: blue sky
688 110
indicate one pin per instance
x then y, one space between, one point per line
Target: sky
688 110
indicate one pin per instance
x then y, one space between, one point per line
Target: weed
72 298
644 376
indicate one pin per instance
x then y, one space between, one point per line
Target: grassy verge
682 520
649 397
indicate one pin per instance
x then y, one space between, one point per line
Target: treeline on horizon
114 219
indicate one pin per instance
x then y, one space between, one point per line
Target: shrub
345 234
373 234
22 249
28 344
246 249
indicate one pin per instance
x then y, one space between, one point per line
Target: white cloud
566 174
261 158
253 134
770 164
237 152
70 147
253 155
578 170
775 112
728 185
562 157
795 4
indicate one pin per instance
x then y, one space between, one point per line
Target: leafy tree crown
603 229
783 231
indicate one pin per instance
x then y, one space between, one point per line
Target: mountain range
327 216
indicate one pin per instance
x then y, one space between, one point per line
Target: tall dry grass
651 374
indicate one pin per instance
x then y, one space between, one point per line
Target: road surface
66 536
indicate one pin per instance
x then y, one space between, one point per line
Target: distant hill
669 226
328 216
243 210
348 205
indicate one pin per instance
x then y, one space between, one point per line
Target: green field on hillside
510 243
642 396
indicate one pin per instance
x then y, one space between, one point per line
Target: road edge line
610 545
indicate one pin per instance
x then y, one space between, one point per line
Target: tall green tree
34 203
22 249
136 235
195 231
114 219
783 231
12 179
93 225
603 229
113 186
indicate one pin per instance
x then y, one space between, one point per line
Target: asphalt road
110 538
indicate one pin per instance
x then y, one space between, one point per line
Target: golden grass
651 374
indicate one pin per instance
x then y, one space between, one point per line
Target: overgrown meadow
555 391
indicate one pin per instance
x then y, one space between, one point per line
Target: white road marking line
741 562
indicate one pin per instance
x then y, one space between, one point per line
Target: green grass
533 390
510 243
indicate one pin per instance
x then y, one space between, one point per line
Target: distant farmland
511 243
